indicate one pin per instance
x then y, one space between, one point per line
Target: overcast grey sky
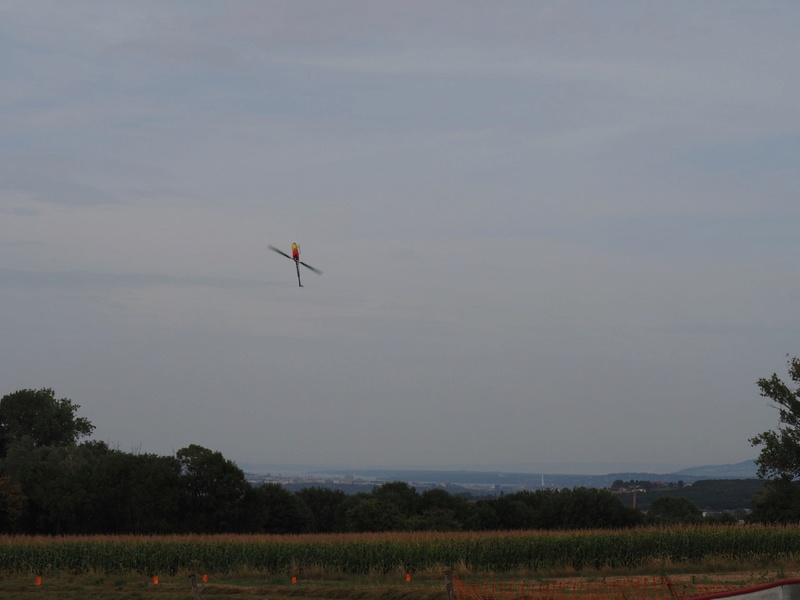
551 232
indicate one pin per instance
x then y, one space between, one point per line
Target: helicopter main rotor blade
274 249
317 271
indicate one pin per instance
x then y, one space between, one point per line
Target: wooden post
195 591
448 584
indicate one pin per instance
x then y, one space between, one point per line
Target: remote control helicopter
297 262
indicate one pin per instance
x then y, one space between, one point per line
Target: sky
551 233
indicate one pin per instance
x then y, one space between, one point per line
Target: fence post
448 584
195 591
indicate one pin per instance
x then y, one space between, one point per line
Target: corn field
475 552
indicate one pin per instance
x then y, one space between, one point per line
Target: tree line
52 481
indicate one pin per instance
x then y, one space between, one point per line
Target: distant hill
457 480
742 470
712 488
707 494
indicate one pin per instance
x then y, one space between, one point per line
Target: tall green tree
779 460
135 493
42 462
780 452
216 490
45 419
54 480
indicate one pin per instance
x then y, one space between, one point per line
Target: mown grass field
376 565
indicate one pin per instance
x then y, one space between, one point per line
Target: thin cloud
538 224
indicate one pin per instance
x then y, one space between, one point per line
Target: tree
135 493
53 478
323 503
216 488
433 519
366 512
779 502
515 512
780 455
38 414
579 508
13 503
399 493
672 509
442 511
585 508
271 508
483 518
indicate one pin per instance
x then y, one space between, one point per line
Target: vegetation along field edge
387 552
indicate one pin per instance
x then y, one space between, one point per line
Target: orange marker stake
408 576
155 579
205 578
294 580
38 580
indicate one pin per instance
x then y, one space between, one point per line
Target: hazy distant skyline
550 232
